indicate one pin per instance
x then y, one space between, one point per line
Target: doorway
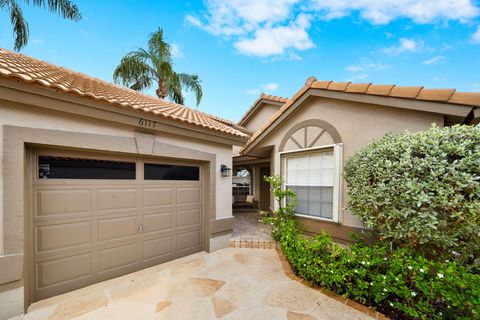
264 189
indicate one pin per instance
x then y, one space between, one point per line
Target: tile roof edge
262 97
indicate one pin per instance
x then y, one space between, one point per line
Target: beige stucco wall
34 117
14 114
357 123
261 116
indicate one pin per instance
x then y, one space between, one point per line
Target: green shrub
401 283
420 190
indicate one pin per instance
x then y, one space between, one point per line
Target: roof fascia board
48 98
253 110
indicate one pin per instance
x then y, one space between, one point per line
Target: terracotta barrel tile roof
270 97
358 87
27 69
262 97
405 92
448 96
379 89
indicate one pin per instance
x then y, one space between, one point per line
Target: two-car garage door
97 217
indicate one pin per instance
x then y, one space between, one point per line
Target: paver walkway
227 284
247 227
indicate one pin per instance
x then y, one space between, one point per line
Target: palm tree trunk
162 89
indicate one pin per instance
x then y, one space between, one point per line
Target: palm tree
142 68
66 8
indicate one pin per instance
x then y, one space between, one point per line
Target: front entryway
96 217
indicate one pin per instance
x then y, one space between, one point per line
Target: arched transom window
309 134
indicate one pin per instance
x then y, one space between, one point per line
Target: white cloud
280 28
176 52
476 36
277 40
367 67
268 87
37 41
406 45
385 11
433 60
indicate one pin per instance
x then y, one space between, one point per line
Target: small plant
286 200
401 283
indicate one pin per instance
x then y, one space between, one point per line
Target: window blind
311 176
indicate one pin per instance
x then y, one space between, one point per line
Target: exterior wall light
226 171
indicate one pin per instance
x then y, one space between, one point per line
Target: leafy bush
401 283
421 190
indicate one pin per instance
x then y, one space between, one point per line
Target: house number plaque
147 123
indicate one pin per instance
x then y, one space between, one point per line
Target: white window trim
337 185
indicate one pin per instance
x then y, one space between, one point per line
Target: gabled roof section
449 97
43 74
264 98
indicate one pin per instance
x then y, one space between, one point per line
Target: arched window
241 183
311 153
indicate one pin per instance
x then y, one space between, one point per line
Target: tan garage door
98 217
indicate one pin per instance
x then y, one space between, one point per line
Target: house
98 181
307 139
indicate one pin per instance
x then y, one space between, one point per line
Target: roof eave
12 87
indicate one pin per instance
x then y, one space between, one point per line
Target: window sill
317 218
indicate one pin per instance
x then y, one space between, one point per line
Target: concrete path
227 284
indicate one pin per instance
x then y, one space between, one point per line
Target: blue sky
240 48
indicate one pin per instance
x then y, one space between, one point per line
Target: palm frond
134 71
174 88
191 82
66 8
158 47
20 26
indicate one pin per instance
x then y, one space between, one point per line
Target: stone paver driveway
227 284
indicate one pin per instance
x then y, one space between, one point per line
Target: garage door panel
188 195
155 197
188 239
117 228
62 236
154 222
117 199
190 217
157 248
58 271
58 202
117 257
